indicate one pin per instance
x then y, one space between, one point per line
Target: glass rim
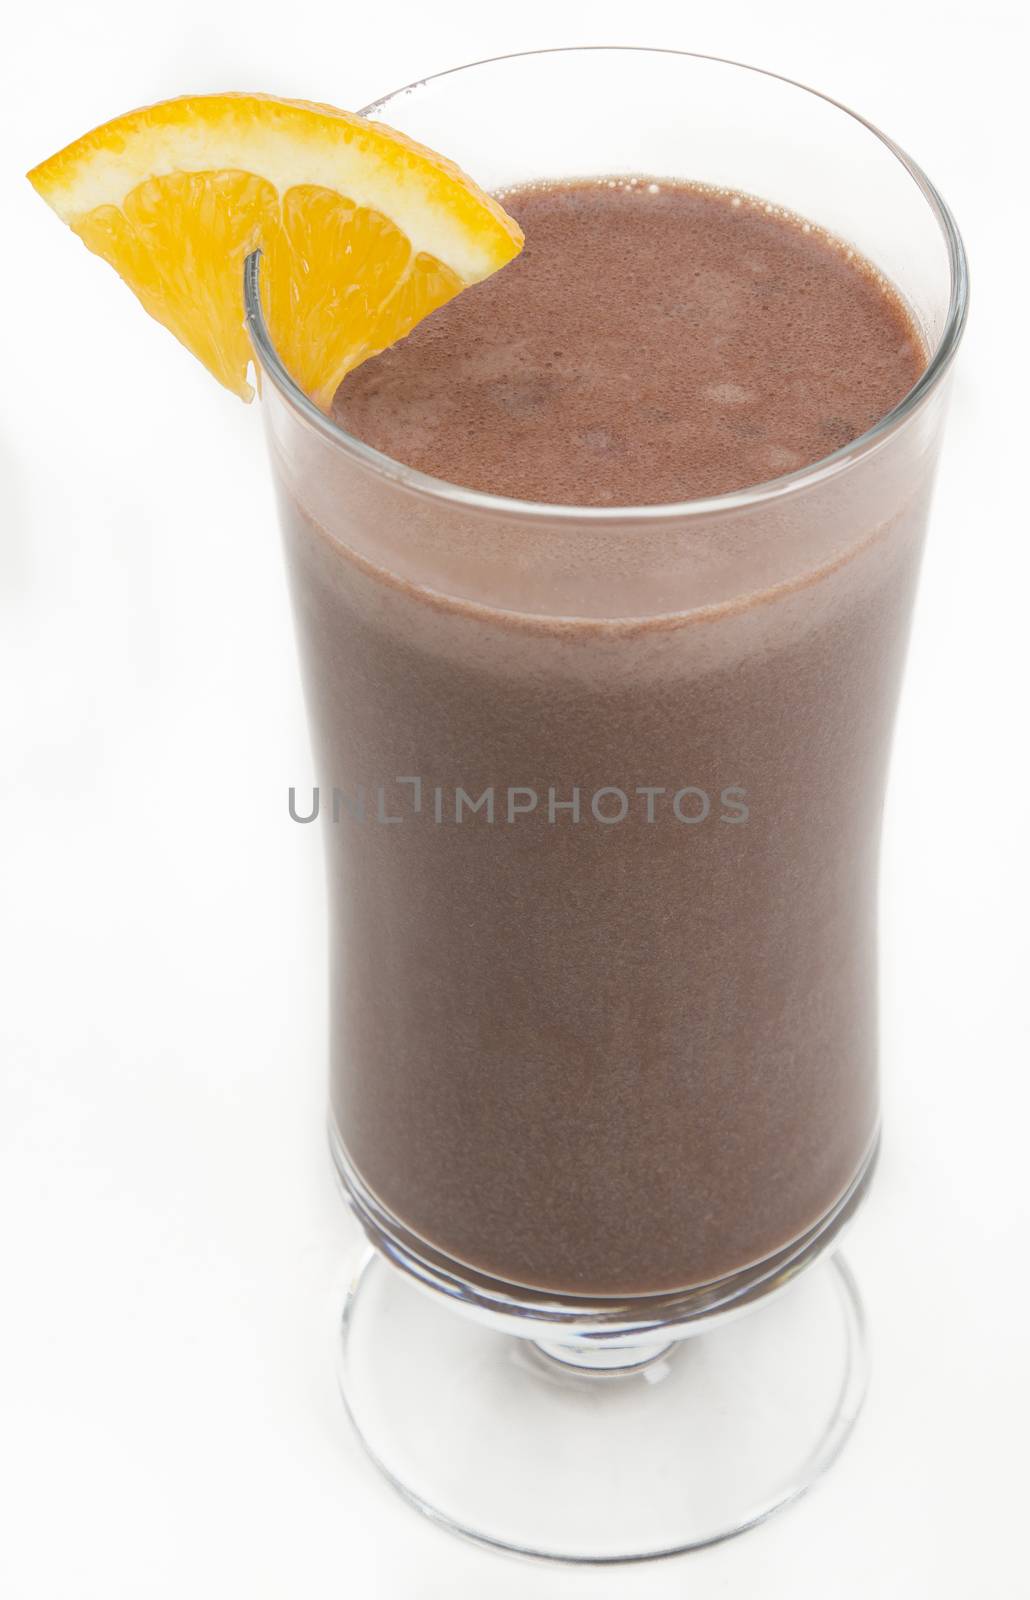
440 489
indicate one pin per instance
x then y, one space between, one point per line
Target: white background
172 1249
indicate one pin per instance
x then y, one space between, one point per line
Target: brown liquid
616 1058
644 348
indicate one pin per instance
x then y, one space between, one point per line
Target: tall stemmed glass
554 1357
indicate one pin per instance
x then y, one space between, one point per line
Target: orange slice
363 231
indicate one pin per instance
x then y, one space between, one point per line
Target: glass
600 1088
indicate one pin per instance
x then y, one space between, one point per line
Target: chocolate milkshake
602 872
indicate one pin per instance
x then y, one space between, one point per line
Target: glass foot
504 1443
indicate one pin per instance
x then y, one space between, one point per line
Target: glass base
502 1441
